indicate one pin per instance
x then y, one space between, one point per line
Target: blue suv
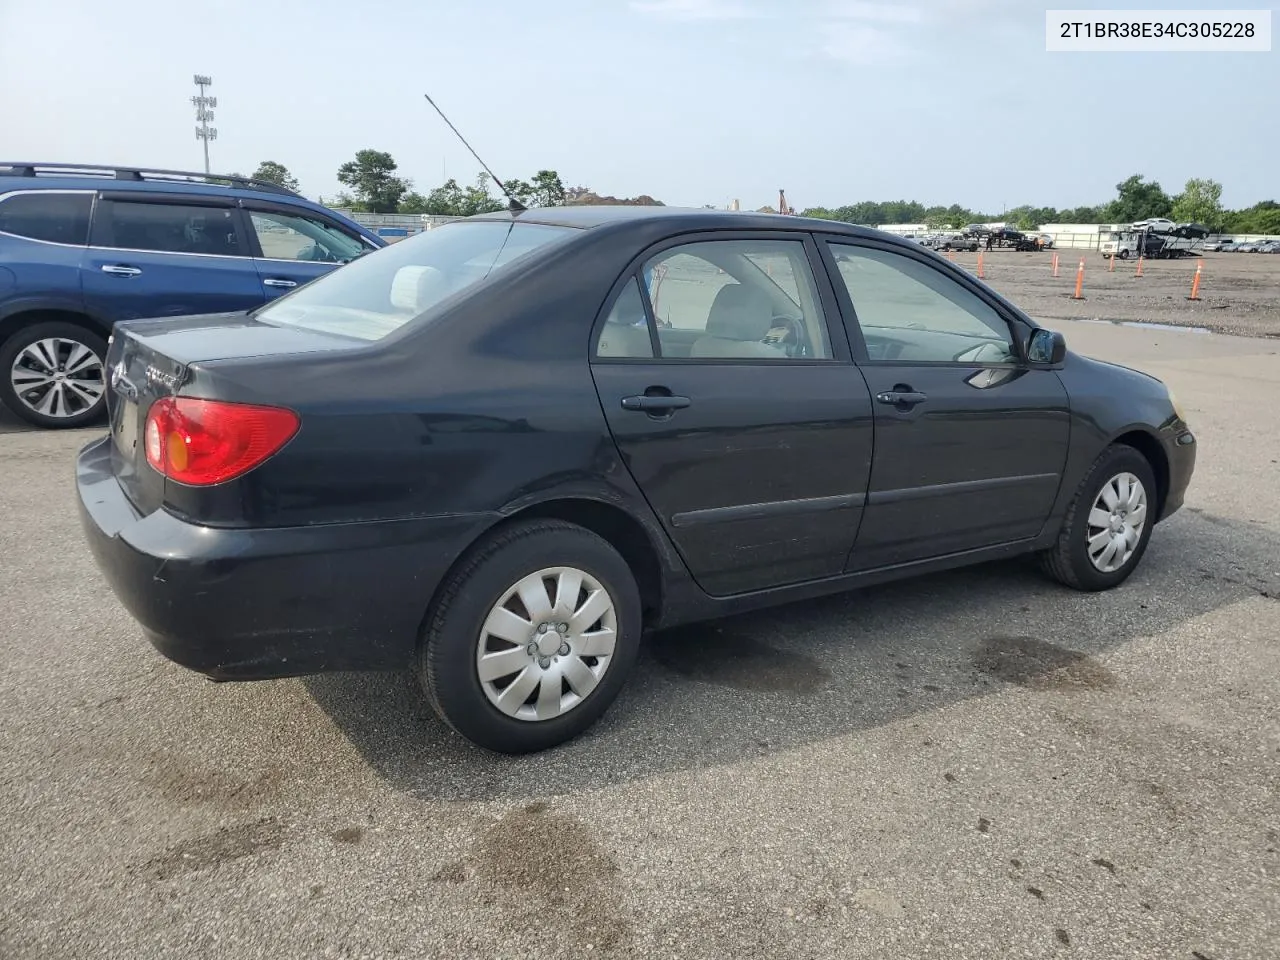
83 247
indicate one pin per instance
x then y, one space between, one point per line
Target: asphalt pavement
972 765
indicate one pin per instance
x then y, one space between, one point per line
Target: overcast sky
691 101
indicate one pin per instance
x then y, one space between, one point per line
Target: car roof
24 175
61 182
588 216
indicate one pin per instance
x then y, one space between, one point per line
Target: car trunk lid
149 360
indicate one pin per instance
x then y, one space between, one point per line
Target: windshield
380 292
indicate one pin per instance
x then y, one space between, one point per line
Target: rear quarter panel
38 276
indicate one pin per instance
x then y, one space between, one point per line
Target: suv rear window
169 228
47 215
379 293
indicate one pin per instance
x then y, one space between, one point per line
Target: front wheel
1108 525
53 375
532 637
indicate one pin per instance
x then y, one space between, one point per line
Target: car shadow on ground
721 692
11 424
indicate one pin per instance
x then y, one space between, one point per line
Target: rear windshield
377 294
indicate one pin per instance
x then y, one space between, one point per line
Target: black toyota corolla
497 452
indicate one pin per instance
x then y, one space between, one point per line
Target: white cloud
874 12
696 9
862 45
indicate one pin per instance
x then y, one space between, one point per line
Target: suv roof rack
31 169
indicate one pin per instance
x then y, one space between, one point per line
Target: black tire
447 652
18 341
1124 254
1068 560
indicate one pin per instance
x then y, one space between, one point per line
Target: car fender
63 304
1096 421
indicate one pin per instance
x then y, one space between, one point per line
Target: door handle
277 282
901 398
658 403
119 270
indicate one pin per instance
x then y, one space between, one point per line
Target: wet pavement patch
185 783
553 874
222 846
348 834
730 659
1039 665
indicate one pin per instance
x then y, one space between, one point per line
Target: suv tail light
202 442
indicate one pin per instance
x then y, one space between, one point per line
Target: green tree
1262 218
545 190
1082 215
444 201
345 201
276 173
477 199
1199 202
371 175
1138 200
413 202
452 200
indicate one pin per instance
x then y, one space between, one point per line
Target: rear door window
169 228
744 300
47 215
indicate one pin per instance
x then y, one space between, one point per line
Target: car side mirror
1047 348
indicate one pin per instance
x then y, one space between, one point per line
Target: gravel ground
972 765
1239 292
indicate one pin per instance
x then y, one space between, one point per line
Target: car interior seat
416 288
736 326
626 330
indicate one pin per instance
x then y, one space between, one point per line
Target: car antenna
514 205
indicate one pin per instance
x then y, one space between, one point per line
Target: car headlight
1177 407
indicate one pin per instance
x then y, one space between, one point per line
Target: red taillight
200 442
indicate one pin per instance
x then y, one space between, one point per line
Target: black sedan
499 451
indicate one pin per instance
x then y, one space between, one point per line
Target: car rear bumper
253 604
1180 450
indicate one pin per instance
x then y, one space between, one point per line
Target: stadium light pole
204 113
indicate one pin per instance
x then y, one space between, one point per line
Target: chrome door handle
118 270
277 282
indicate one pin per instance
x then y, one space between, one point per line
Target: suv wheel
53 375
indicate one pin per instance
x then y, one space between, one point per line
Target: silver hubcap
546 644
57 377
1116 522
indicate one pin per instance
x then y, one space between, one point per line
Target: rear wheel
1108 524
53 375
532 637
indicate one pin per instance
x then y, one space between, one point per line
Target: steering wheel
796 340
